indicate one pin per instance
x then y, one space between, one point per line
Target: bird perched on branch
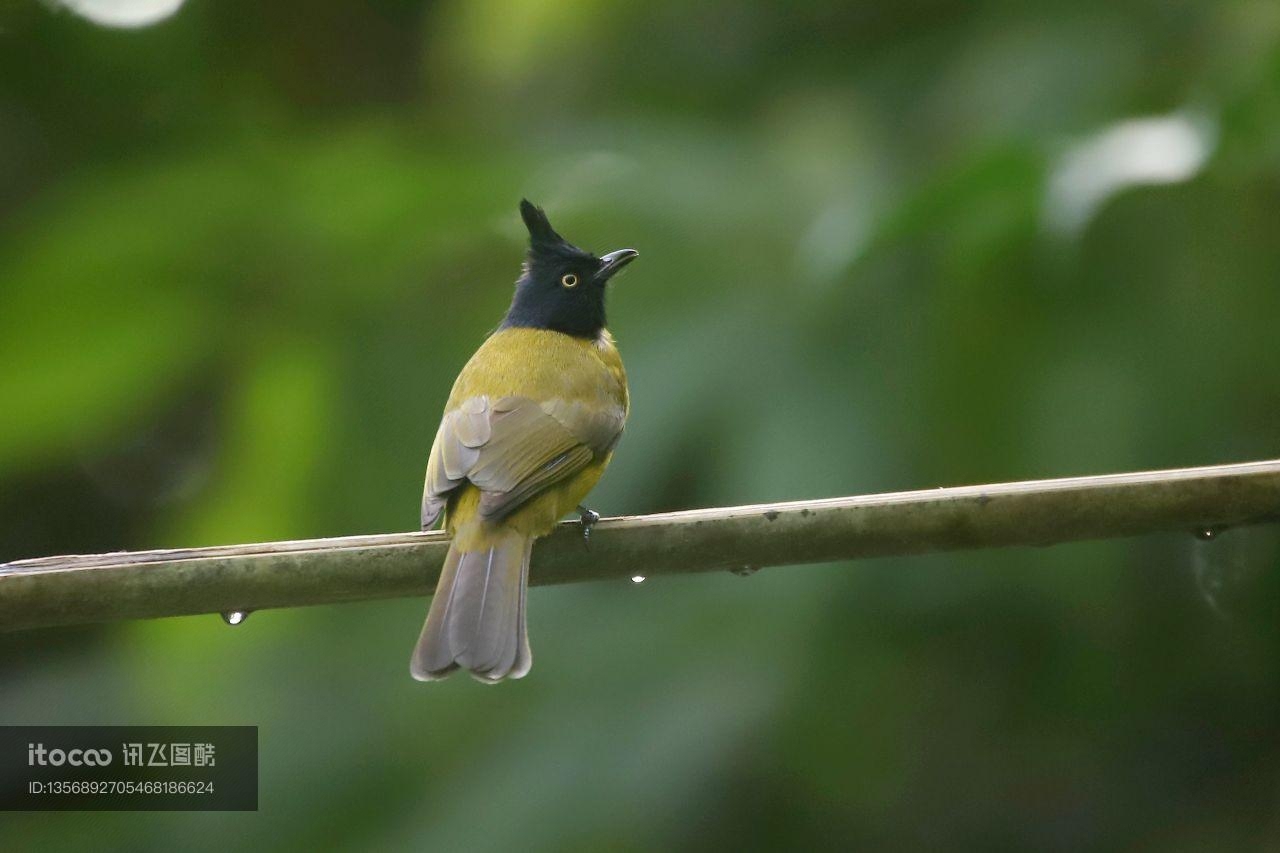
529 427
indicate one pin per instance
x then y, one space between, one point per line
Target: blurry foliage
244 252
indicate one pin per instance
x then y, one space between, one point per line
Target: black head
562 287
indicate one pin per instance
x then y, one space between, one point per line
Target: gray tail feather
476 620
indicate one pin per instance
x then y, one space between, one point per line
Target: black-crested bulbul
528 429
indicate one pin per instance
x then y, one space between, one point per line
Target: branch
84 589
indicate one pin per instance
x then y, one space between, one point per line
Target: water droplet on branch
235 617
1213 564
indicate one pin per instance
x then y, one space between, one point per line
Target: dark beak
611 263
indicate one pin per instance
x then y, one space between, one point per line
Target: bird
528 429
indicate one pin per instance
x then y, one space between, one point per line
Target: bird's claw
587 518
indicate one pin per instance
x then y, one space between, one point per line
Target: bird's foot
587 518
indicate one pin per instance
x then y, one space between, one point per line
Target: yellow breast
544 365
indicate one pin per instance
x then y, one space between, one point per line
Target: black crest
535 219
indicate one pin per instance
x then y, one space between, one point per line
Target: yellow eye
569 280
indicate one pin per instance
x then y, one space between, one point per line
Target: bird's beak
613 262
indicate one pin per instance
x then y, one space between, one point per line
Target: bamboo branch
84 589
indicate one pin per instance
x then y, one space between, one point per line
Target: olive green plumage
527 432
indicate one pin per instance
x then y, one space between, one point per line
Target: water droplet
1230 563
1212 563
129 15
745 571
235 617
637 578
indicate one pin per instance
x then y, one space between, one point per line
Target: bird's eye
569 280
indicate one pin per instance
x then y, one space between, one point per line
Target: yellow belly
536 518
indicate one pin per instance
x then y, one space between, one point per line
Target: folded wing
512 448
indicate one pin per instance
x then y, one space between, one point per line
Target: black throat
549 306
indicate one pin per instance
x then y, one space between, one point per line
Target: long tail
476 619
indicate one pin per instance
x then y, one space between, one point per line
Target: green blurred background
244 251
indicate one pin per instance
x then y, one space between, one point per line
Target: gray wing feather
513 447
